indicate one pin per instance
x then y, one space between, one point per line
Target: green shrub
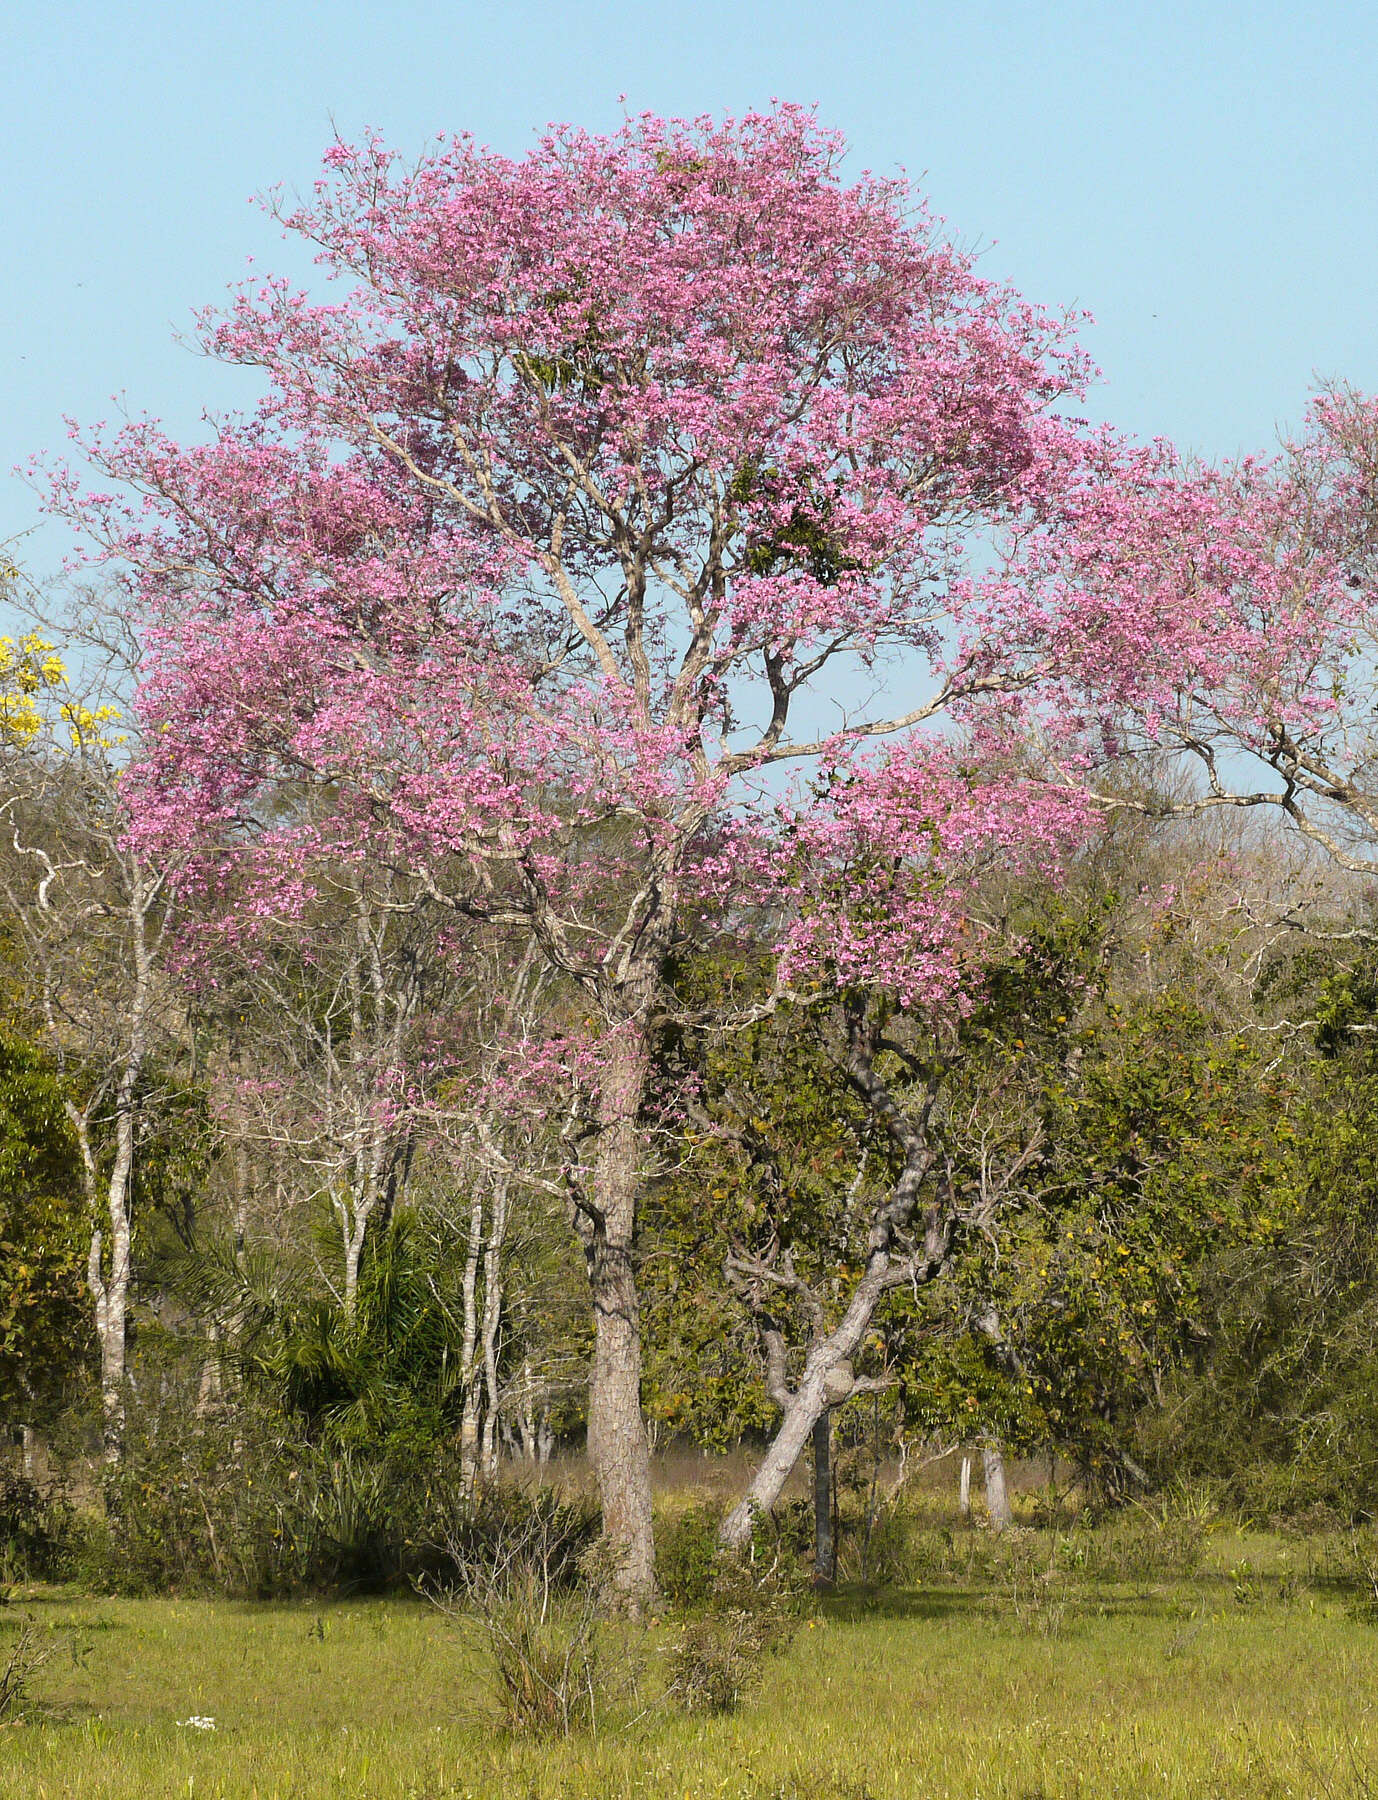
239 1507
687 1556
29 1649
38 1529
1358 1570
751 1609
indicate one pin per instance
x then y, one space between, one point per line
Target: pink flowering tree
1282 717
600 486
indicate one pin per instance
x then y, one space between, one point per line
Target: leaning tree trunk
617 1446
827 1381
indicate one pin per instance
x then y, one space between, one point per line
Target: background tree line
349 1274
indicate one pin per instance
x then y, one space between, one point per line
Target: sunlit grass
1249 1679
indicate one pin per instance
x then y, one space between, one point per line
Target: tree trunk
827 1378
617 1446
526 1415
468 1367
824 1549
109 1283
354 1219
964 1486
997 1500
492 1320
826 1381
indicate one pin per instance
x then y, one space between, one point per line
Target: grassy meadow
1039 1668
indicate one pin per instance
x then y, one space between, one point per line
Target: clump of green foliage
751 1610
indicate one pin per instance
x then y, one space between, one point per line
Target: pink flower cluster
588 470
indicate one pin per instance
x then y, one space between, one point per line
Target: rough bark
617 1445
492 1321
997 1497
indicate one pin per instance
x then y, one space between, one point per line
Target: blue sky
1202 178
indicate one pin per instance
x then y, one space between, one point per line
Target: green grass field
1250 1678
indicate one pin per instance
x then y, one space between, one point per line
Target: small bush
1151 1545
527 1585
29 1650
751 1610
786 1534
1359 1571
489 1528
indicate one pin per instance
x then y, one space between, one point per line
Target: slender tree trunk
997 1499
824 1549
964 1486
355 1222
107 1276
492 1318
526 1414
617 1445
208 1389
468 1367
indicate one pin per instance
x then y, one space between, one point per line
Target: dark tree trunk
824 1546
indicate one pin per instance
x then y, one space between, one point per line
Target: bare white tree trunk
93 911
964 1485
526 1413
492 1318
468 1368
109 1263
827 1380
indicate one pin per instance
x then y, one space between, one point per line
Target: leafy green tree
46 1342
1163 1149
1278 1405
